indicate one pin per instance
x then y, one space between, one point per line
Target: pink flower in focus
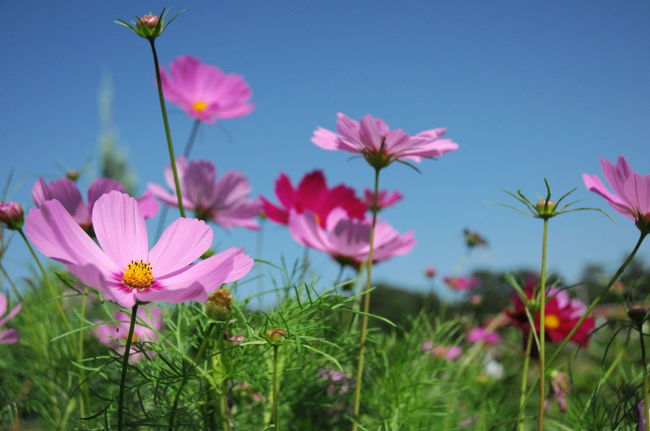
481 334
66 191
461 283
204 91
114 335
448 352
122 266
631 196
372 138
384 199
224 201
8 336
346 239
312 194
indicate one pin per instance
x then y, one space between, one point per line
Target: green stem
85 400
46 279
366 310
644 359
11 282
125 365
542 330
595 302
524 382
190 141
276 416
168 135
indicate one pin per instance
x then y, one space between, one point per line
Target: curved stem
168 135
276 416
192 138
366 310
542 330
125 365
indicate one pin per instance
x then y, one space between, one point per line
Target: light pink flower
372 138
481 334
439 351
346 239
66 191
8 336
146 330
631 196
204 91
461 283
384 199
224 201
122 266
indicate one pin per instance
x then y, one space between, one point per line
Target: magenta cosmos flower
66 191
384 199
372 138
482 334
460 283
8 336
312 194
346 239
146 330
631 196
204 91
439 351
122 266
224 201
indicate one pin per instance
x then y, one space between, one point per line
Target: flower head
474 239
219 305
8 336
149 26
114 335
381 146
631 196
204 91
560 315
12 215
312 194
460 283
384 199
346 239
67 193
224 201
430 272
122 266
439 351
482 334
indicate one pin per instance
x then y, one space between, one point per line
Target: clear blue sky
528 89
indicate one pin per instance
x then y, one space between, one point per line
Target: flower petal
182 243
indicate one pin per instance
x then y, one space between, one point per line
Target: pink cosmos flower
146 330
346 239
204 91
372 138
122 266
66 191
461 283
384 199
312 194
224 201
481 334
8 336
631 196
448 352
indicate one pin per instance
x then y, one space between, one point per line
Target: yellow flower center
551 321
138 275
199 106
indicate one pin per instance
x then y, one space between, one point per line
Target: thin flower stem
542 330
125 365
366 309
595 302
190 141
644 360
276 416
80 355
524 382
168 135
11 282
46 279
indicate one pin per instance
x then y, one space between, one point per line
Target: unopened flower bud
545 209
12 215
72 175
275 335
150 21
208 253
637 315
430 272
218 306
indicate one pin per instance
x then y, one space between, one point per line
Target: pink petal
182 243
11 314
9 336
100 187
284 191
148 205
64 191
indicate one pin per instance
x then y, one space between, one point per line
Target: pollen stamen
138 275
199 106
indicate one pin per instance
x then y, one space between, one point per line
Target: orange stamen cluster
551 321
199 106
138 275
